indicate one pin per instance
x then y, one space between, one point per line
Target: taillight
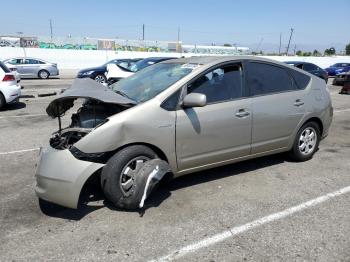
8 78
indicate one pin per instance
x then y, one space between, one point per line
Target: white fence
76 59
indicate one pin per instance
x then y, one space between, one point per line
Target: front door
219 131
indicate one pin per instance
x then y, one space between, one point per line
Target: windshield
152 80
141 65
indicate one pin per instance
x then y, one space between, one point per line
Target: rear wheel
2 101
43 74
306 142
119 179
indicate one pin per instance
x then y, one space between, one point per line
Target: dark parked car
311 68
341 79
338 68
98 73
345 82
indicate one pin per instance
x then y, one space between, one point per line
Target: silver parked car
193 113
33 67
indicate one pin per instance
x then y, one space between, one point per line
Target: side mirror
194 100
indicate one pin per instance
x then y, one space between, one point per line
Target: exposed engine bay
90 115
100 102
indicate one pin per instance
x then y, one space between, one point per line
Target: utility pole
143 31
290 38
51 30
279 49
178 35
295 48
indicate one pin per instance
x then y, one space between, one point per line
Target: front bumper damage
60 176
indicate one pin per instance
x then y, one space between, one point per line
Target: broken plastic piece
155 170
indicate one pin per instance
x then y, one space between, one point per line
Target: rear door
277 105
30 67
221 130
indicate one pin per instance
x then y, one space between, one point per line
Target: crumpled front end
60 176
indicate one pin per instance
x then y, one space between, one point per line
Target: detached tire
118 179
306 142
2 101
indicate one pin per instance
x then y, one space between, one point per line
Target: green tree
299 53
347 49
329 51
316 53
228 45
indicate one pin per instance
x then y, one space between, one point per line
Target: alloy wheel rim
43 74
100 79
127 178
307 141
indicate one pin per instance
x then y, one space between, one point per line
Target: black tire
113 174
296 152
2 101
43 74
100 78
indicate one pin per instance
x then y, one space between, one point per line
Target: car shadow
15 106
92 197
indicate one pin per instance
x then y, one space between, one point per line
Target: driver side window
221 84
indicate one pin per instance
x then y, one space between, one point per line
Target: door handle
298 102
242 113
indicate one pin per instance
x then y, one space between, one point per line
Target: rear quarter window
301 80
4 67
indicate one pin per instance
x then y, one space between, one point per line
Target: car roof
295 62
204 60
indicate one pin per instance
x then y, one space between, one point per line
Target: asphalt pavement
231 213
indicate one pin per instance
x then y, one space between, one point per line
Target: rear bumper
60 177
11 93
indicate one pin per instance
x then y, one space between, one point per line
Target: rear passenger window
221 84
300 79
310 67
265 79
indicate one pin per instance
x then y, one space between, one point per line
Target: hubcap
100 79
127 178
43 74
307 141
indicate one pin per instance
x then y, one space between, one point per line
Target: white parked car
116 72
10 90
13 69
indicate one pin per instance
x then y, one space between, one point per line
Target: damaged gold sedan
178 117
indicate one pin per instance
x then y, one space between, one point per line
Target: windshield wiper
123 94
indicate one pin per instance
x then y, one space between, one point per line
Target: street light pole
290 38
51 30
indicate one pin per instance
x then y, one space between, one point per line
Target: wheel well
43 70
157 150
318 121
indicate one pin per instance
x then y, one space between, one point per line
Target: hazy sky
317 23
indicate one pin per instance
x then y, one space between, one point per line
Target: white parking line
33 115
342 110
20 151
256 223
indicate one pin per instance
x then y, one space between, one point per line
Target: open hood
85 88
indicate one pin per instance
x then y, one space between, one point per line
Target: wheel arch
156 149
318 121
